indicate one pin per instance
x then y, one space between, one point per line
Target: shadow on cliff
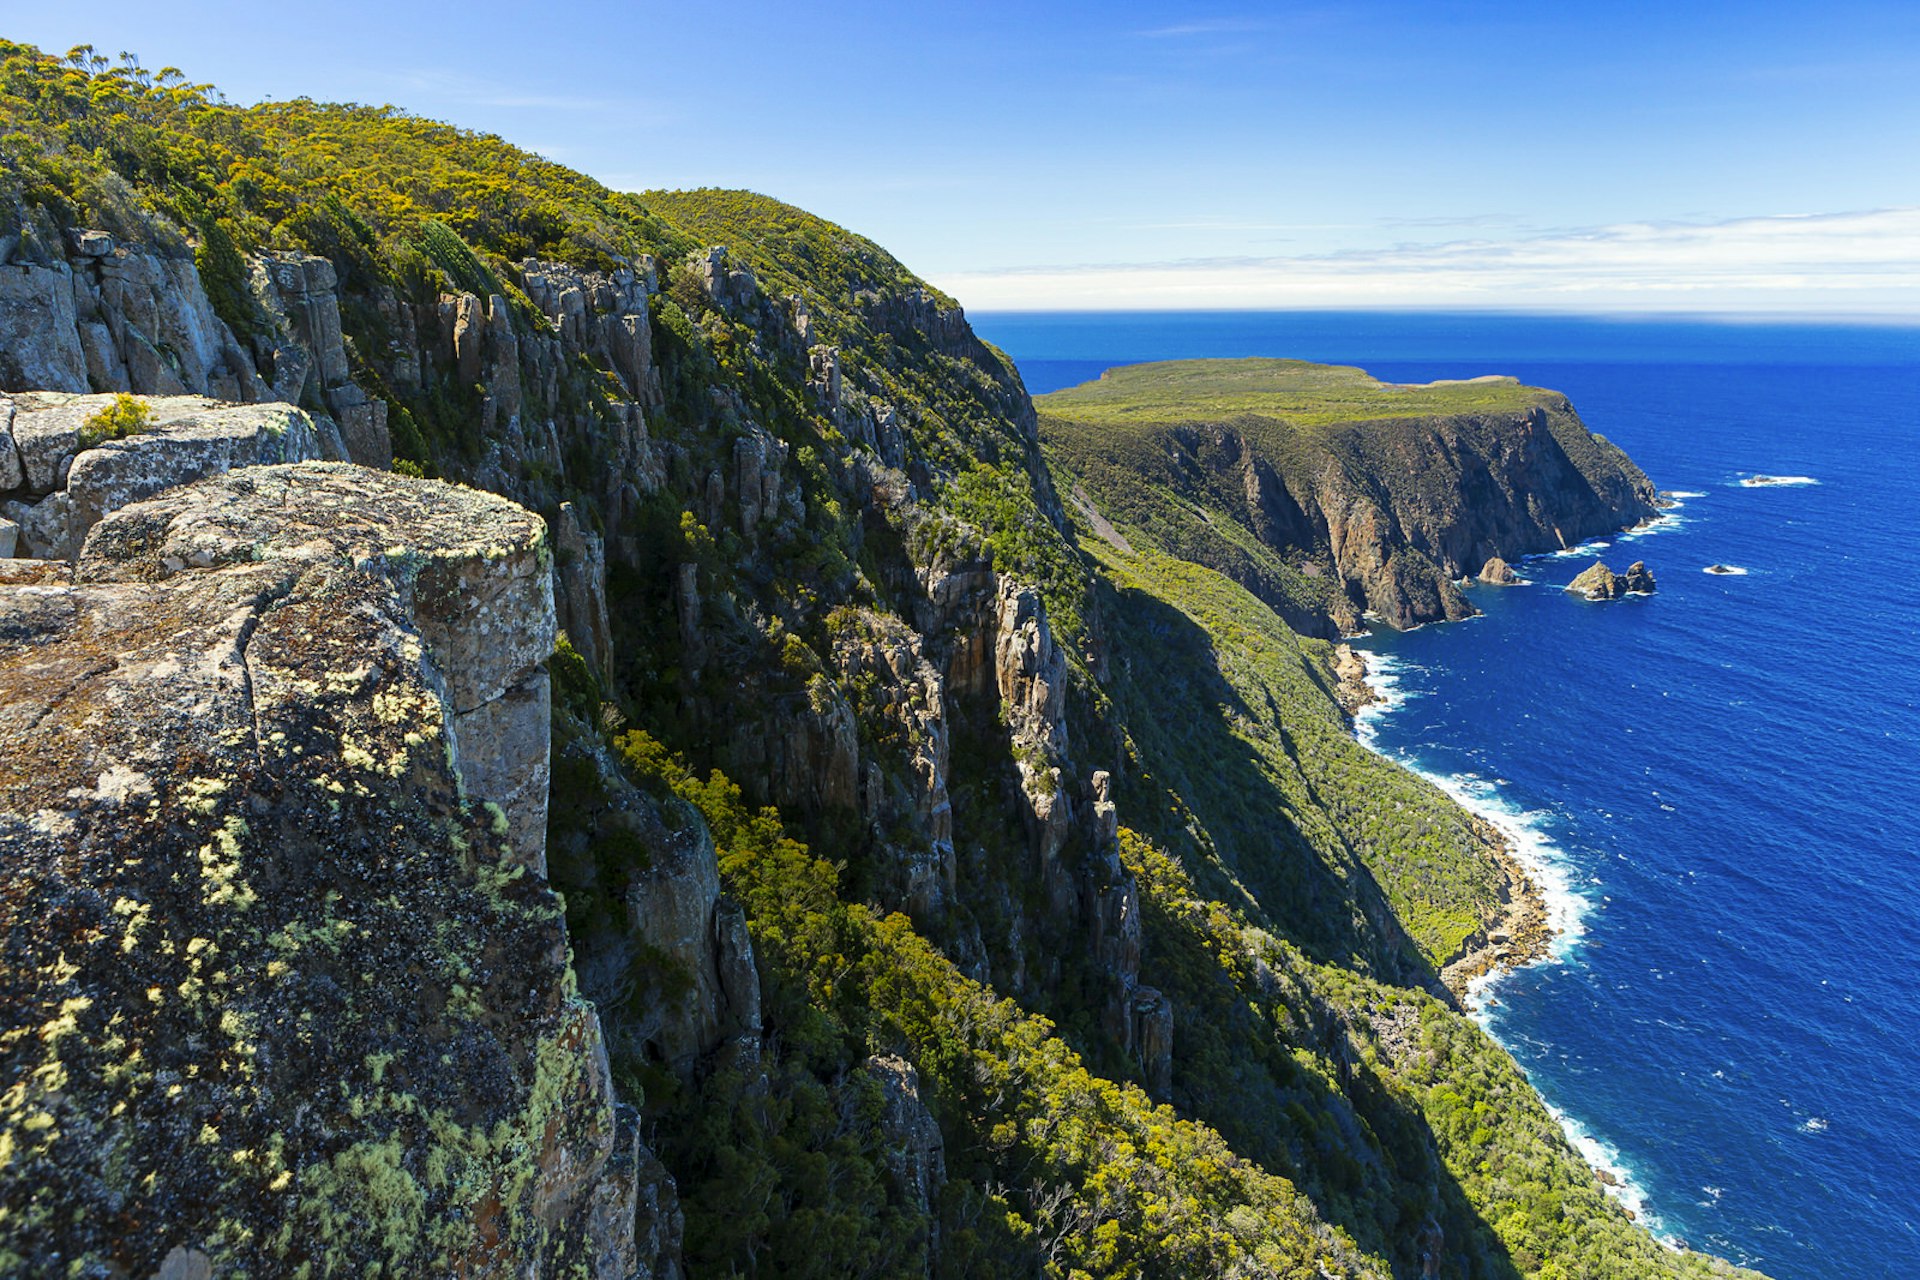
1353 1143
1181 709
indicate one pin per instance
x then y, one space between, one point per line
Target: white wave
1774 482
1683 493
1383 677
1813 1124
1551 870
1606 1158
1725 571
1553 873
1665 522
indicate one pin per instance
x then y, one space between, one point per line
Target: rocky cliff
712 730
287 990
1346 496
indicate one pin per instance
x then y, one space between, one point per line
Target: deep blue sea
1720 781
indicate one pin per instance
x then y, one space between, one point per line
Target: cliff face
1342 479
285 983
935 896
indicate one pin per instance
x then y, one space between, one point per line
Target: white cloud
1838 263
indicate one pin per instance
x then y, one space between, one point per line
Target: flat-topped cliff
1329 492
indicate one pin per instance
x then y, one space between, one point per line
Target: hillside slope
938 898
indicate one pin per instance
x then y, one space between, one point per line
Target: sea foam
1606 1158
1774 482
1554 874
1552 871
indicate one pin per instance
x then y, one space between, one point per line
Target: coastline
1521 931
1540 916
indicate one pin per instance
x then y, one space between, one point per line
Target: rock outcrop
1598 582
284 982
1498 573
918 1158
108 317
1389 508
63 482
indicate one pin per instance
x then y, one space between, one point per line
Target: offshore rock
278 995
63 489
1597 582
1498 573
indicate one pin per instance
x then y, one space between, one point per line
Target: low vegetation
1331 1112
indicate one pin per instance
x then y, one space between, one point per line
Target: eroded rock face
117 318
580 589
63 487
918 1158
299 293
277 992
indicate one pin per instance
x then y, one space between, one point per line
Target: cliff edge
1335 496
280 988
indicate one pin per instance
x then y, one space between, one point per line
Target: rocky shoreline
1517 937
1519 933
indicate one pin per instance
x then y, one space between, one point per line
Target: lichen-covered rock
276 993
67 485
472 573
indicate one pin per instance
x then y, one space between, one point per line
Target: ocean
1719 782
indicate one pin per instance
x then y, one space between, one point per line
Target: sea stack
1597 582
1498 573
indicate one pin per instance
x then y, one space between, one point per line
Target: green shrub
119 418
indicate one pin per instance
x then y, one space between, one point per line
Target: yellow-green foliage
119 418
1051 1164
1238 721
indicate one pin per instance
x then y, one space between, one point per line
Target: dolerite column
471 572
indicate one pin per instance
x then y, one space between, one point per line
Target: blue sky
1697 156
